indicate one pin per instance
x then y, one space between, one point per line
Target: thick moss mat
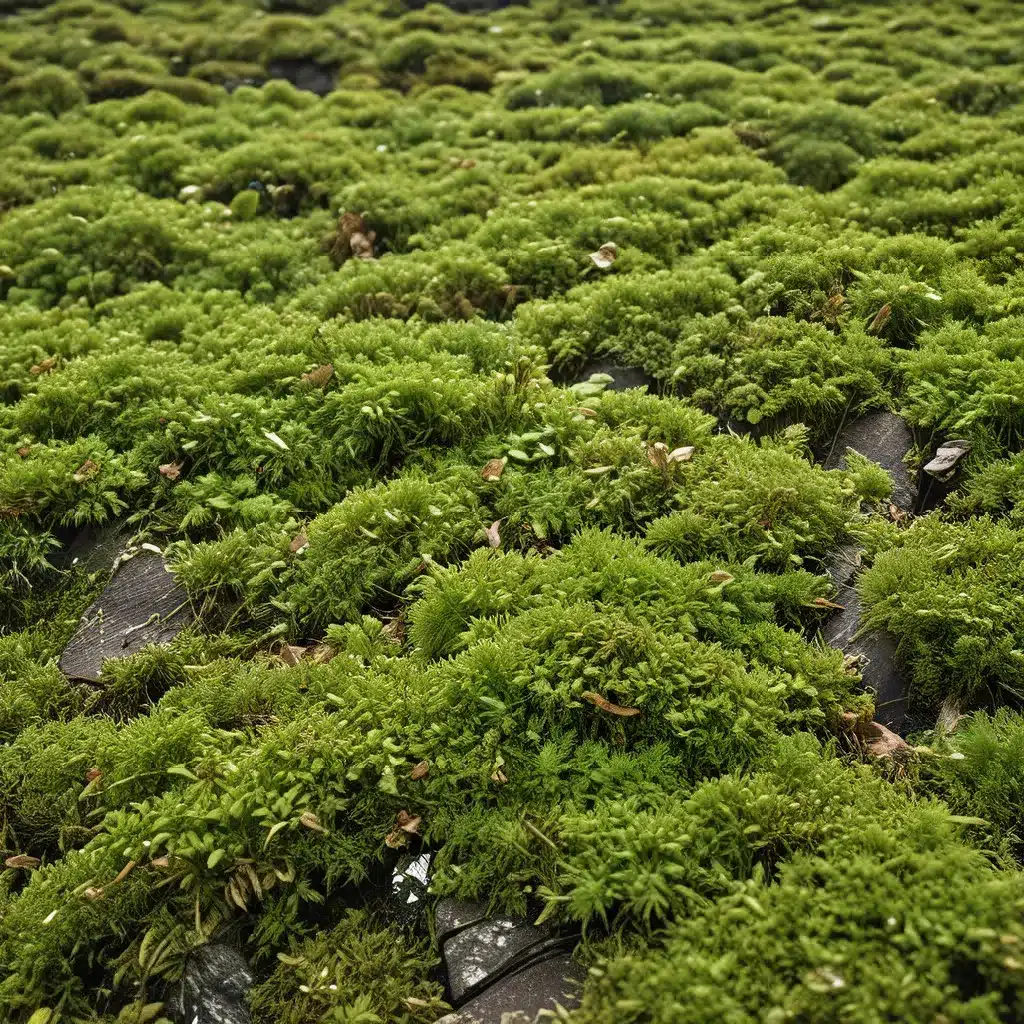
304 298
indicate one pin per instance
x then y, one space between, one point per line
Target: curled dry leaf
171 470
161 862
93 774
493 469
824 602
394 629
420 771
22 860
94 892
310 820
319 377
299 542
605 256
25 451
683 454
406 824
881 319
44 366
86 471
719 576
493 537
292 654
499 777
657 455
606 705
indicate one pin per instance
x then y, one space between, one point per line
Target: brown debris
606 705
720 576
824 602
24 451
881 319
22 860
874 738
320 376
406 825
292 654
351 238
310 820
124 872
493 469
171 470
493 537
420 771
299 542
86 471
605 256
45 366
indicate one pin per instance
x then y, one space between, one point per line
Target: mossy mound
285 291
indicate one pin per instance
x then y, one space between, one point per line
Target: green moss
328 403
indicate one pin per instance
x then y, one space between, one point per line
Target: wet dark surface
141 605
875 651
622 377
519 997
883 438
214 988
308 75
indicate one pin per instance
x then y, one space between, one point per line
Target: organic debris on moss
560 636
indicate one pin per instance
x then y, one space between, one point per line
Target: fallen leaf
86 471
881 319
171 470
22 860
499 777
45 366
124 872
583 411
683 454
299 542
493 469
292 654
606 705
25 451
362 245
93 774
718 576
420 771
320 376
271 436
606 255
408 822
493 537
310 820
94 893
657 455
161 862
394 629
824 602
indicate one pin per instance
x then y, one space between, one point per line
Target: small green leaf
215 858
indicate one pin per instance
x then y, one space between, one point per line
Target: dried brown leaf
86 471
292 654
93 774
493 469
94 892
605 256
881 319
299 541
25 451
408 822
499 777
719 576
161 862
493 537
171 470
310 820
22 860
420 771
606 705
320 376
884 742
824 602
657 455
44 366
322 654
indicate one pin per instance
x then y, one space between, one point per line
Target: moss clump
333 355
